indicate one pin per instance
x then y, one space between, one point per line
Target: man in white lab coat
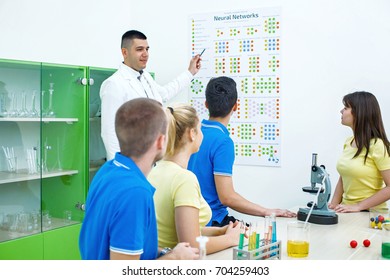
131 81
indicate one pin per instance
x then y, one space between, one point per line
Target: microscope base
318 219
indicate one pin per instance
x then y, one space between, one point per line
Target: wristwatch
165 251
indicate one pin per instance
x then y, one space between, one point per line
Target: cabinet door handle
91 81
80 206
83 81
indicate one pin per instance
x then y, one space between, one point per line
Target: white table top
329 242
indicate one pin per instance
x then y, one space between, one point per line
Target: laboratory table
328 242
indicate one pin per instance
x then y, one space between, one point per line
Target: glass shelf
20 176
55 223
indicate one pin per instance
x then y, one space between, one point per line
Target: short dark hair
221 96
138 123
130 35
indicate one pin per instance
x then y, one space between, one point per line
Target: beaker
298 239
386 240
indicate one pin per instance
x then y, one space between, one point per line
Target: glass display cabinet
50 149
20 155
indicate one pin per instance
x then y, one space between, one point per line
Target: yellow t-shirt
175 186
360 180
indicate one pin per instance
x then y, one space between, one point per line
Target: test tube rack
266 251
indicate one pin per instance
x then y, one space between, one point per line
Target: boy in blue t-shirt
120 220
213 163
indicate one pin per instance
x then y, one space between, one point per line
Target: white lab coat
123 86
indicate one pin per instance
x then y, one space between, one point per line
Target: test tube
267 232
202 240
267 226
253 236
250 243
273 238
273 222
242 236
257 239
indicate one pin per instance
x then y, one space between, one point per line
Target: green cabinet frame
51 187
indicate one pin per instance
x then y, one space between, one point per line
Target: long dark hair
367 121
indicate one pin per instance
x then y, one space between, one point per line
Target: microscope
318 211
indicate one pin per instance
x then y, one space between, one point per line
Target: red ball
353 243
366 242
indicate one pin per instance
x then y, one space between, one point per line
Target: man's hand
195 64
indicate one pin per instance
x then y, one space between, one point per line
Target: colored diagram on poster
243 45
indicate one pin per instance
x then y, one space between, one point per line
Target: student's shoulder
187 175
136 191
128 181
378 147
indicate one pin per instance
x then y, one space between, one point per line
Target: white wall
64 31
329 48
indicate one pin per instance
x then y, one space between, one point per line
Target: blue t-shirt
120 214
215 157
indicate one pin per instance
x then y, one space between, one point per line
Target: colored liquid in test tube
250 237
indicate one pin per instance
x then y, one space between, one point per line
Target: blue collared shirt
215 157
120 214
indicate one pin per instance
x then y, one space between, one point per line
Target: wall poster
243 45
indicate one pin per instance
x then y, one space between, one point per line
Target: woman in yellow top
364 166
181 210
